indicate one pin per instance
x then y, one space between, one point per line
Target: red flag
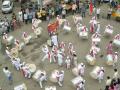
53 27
91 7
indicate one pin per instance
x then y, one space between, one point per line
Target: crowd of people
61 53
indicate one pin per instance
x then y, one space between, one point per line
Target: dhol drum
50 88
83 35
116 43
91 60
37 74
10 40
77 80
20 87
109 59
53 77
67 28
108 32
94 72
27 40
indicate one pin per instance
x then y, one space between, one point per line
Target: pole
39 4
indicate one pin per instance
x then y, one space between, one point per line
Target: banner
91 7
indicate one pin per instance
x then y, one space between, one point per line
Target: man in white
8 74
81 85
109 29
93 24
16 63
47 53
98 27
81 69
54 39
68 62
26 71
100 75
20 16
8 52
115 59
54 53
98 12
60 58
42 78
96 38
60 77
115 75
70 48
79 28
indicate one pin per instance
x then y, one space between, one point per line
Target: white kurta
54 39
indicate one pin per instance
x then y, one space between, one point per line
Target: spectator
25 17
74 7
8 74
83 10
98 12
109 13
108 83
63 13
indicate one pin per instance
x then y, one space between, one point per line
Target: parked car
7 6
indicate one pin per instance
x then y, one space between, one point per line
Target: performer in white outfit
54 53
115 59
26 71
101 73
47 53
79 27
54 39
84 32
68 62
93 25
16 63
5 36
60 58
60 77
7 51
116 74
26 38
70 48
96 38
116 40
108 30
81 85
77 19
66 26
42 78
62 47
81 69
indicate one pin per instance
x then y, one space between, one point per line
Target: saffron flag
91 7
53 27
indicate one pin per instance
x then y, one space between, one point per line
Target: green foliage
119 1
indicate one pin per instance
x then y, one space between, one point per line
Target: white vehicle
7 6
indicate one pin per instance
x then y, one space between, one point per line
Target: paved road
33 54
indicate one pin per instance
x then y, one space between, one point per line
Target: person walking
25 16
83 10
8 74
109 13
98 12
